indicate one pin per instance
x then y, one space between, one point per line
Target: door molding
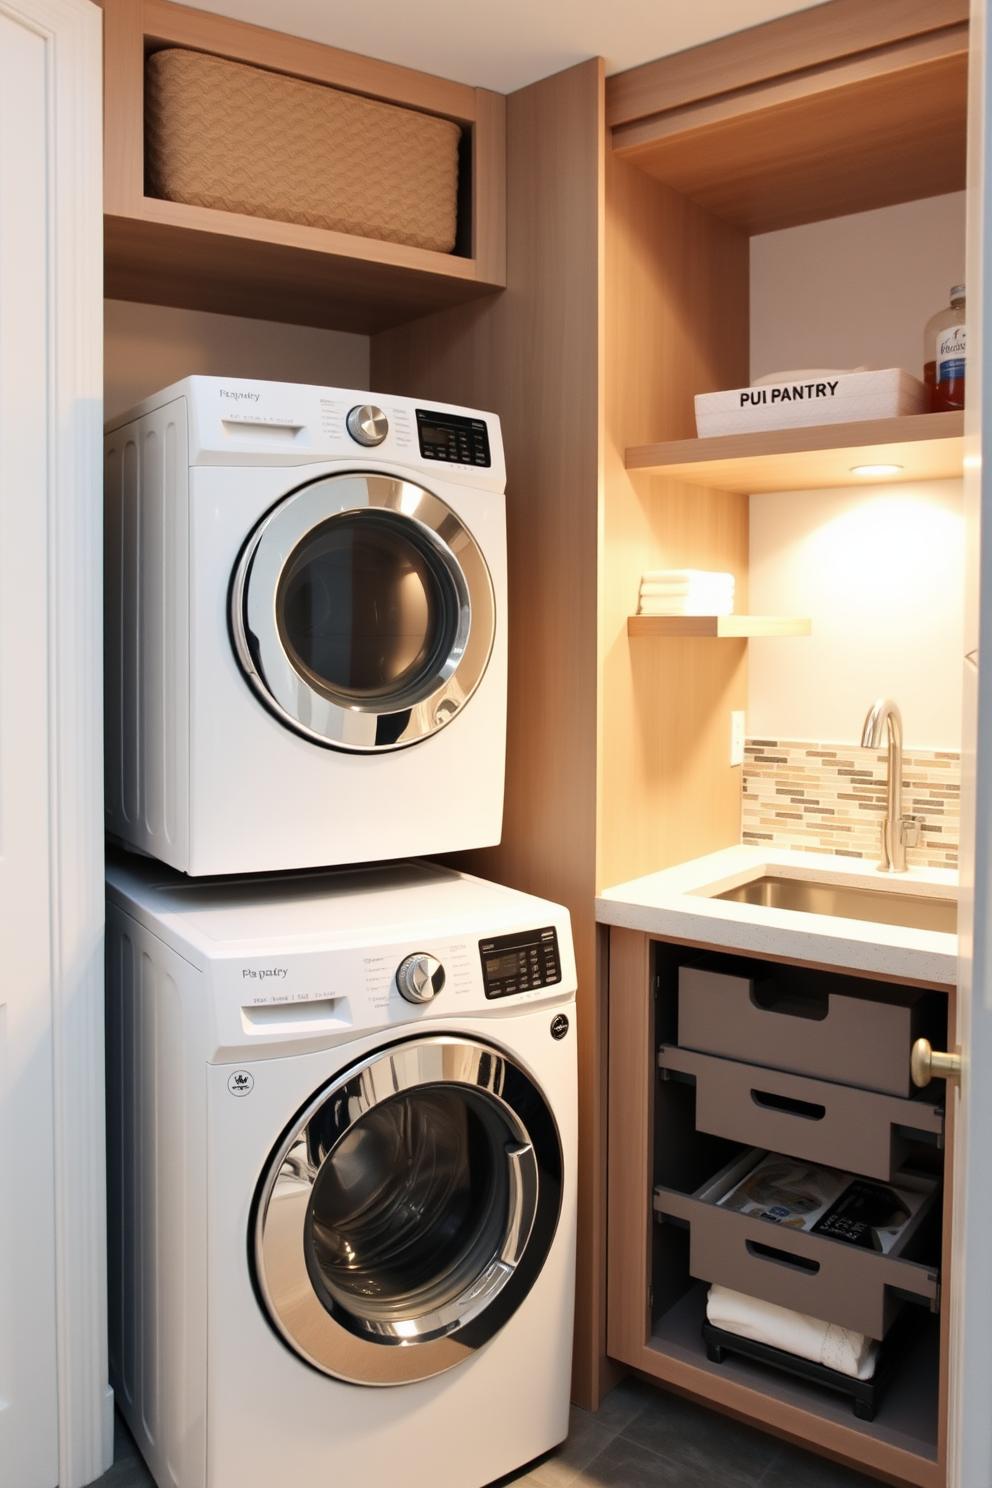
71 616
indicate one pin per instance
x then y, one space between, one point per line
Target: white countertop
670 904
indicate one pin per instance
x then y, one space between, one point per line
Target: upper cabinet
836 110
199 257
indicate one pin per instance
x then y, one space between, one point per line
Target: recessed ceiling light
875 469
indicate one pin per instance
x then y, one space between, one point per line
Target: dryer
342 1168
305 627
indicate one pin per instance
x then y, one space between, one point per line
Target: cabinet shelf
199 258
723 627
926 446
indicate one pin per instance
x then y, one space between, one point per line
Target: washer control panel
420 977
522 962
452 438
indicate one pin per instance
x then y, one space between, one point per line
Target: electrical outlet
737 738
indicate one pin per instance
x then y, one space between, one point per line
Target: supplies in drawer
793 400
824 1201
685 591
241 139
824 1343
812 1273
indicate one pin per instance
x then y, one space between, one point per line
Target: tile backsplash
831 798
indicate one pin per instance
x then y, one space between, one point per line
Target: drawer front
823 1278
857 1042
840 1126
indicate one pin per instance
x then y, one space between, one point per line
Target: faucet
898 831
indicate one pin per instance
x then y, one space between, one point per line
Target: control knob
420 977
367 425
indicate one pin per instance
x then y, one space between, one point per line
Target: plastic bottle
944 354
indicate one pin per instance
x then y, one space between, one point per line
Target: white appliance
342 1155
306 627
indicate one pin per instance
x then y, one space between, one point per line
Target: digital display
504 966
452 438
523 962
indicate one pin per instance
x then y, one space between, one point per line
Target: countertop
669 904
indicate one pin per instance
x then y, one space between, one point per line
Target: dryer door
408 1211
362 612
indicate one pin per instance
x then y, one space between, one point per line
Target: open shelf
199 258
926 446
726 627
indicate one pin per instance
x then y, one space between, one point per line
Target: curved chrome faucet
896 828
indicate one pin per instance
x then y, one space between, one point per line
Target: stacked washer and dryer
341 1079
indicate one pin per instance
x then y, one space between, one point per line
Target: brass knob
924 1063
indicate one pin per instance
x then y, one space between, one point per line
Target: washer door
362 612
408 1211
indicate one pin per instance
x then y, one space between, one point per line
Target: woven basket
239 139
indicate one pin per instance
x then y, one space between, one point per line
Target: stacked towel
764 1322
686 591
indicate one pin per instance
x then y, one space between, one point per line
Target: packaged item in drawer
824 1201
790 1193
240 139
793 400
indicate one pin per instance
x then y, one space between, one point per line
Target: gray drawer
823 1278
840 1126
856 1040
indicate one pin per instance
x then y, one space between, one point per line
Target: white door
53 1398
970 1424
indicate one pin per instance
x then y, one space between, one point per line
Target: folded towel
683 576
705 604
764 1322
676 589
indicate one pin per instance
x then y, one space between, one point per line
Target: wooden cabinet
663 1148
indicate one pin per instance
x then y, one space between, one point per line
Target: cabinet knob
925 1063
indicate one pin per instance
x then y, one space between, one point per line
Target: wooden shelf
810 116
725 627
171 253
928 446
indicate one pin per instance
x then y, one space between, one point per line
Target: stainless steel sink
882 906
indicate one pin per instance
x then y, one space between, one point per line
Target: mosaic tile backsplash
831 798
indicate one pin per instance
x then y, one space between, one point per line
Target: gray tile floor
640 1437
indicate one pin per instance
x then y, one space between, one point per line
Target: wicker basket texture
237 138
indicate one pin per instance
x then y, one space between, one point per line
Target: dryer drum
362 612
408 1210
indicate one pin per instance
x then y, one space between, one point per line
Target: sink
884 906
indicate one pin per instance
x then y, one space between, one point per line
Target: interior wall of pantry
878 570
147 347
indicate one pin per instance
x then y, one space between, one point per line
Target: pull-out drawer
840 1126
806 1023
824 1278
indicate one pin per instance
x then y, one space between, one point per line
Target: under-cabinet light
875 469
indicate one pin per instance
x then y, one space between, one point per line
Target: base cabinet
687 1124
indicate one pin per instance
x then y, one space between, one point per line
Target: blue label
950 369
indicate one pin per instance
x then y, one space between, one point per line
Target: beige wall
854 290
879 570
147 347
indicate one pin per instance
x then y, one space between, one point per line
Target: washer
306 633
342 1160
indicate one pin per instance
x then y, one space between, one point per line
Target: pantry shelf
723 627
925 446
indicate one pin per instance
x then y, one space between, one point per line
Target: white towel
683 576
686 591
764 1322
705 604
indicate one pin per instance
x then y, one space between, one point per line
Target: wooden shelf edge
927 446
721 627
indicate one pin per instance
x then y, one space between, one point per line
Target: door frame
68 616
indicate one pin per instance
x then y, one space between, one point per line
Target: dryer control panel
521 962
